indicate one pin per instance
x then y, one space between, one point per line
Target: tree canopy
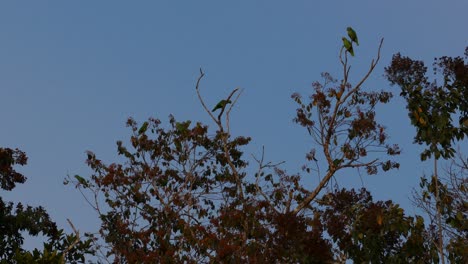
186 192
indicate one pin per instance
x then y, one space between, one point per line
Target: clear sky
71 72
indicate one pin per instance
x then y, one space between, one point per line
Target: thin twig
197 88
230 108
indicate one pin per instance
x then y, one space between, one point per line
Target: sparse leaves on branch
340 117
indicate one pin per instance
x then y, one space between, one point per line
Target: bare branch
371 69
230 108
197 88
316 191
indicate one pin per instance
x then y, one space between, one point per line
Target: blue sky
71 72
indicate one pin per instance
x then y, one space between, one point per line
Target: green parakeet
352 35
81 180
348 46
183 126
143 128
221 105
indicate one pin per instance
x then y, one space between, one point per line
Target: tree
186 193
432 108
340 117
453 194
14 220
181 196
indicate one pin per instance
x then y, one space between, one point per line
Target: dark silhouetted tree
15 220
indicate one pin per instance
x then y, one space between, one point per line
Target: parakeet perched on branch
221 105
348 46
352 35
80 179
143 128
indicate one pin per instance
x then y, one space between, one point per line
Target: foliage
8 176
185 193
165 207
373 232
433 106
176 199
15 220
